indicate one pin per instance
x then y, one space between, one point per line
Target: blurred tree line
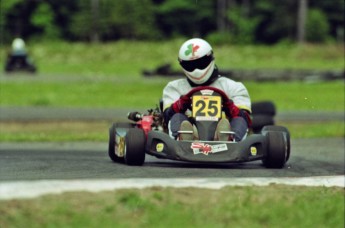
235 21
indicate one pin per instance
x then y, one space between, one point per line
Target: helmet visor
201 63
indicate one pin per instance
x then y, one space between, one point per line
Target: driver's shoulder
178 83
224 82
224 79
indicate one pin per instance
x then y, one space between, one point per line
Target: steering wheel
199 88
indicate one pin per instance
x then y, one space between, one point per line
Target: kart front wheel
135 147
276 150
112 140
111 145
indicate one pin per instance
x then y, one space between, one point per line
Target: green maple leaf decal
191 49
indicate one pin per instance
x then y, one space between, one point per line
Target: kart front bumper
254 147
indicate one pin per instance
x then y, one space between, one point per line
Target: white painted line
31 189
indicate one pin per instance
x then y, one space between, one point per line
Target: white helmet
18 44
196 58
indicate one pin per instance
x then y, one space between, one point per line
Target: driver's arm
239 105
232 111
179 106
173 102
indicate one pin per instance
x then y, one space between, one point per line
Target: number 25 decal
206 106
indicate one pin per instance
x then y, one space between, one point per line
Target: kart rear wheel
276 150
135 147
112 140
263 113
263 108
260 120
286 136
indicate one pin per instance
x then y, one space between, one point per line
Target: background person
18 59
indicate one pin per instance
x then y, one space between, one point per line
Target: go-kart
147 134
19 62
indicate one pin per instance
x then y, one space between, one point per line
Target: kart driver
19 59
198 64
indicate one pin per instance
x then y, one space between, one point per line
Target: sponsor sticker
206 92
204 148
206 118
120 146
253 151
159 147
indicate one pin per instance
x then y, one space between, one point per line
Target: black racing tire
112 139
260 120
276 150
32 69
286 136
135 147
263 108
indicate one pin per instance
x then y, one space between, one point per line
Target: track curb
32 189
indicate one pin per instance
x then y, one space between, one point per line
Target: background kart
19 62
129 142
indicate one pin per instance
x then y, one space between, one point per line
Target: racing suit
236 91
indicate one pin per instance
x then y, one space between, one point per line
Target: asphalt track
66 161
28 167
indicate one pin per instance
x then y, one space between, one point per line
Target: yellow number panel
207 107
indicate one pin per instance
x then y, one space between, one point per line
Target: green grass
54 131
130 57
293 96
298 96
144 94
275 206
93 93
109 76
77 131
315 129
